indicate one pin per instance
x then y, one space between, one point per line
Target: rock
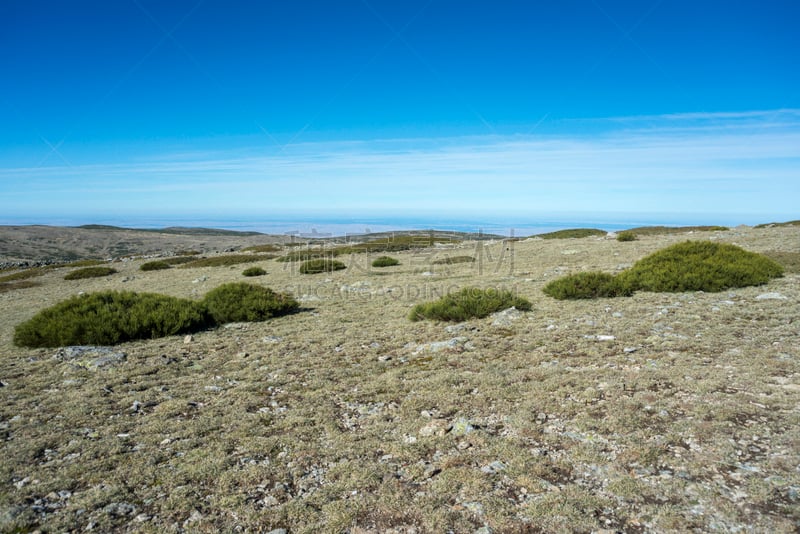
461 427
200 280
494 467
455 328
188 339
120 509
278 531
506 317
272 339
194 517
89 357
771 296
436 427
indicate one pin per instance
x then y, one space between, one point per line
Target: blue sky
138 109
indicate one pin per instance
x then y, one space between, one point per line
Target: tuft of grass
587 285
626 235
450 260
385 261
262 248
238 301
23 275
226 260
321 265
90 272
701 266
155 266
469 303
111 317
574 233
254 271
5 287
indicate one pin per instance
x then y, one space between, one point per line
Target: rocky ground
654 413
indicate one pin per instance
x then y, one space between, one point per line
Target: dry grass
346 419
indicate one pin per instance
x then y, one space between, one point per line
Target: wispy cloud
725 163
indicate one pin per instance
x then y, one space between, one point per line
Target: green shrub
454 259
470 302
111 317
254 271
85 263
155 266
626 235
90 272
321 265
24 274
701 266
385 261
179 260
238 301
672 230
574 233
226 261
587 286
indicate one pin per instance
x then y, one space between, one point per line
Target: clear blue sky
209 108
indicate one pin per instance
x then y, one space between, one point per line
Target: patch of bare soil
658 412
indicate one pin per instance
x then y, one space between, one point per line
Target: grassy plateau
315 404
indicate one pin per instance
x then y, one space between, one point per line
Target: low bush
701 266
626 235
469 303
688 266
111 317
25 274
449 260
179 260
90 272
588 285
321 265
238 301
385 261
85 263
574 233
254 271
155 266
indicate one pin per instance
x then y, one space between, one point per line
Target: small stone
142 518
136 406
461 426
771 296
188 339
494 467
272 339
384 357
194 517
630 350
437 427
541 418
120 509
278 531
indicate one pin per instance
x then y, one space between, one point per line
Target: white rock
771 296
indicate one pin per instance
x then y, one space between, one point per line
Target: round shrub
321 265
469 303
254 271
385 261
155 266
626 235
111 317
239 301
90 272
701 266
588 285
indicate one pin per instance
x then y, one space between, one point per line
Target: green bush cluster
385 261
254 271
90 272
262 248
574 233
626 235
111 317
588 285
688 266
393 244
701 266
238 301
155 266
469 303
321 265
